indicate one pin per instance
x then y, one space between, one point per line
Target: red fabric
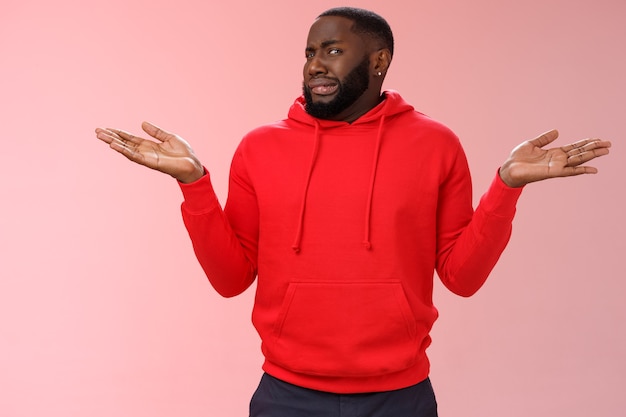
374 208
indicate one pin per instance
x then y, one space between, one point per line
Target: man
343 212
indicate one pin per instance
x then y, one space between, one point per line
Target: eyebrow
324 44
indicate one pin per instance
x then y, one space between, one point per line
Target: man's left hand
529 162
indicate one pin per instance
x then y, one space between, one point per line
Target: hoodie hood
391 105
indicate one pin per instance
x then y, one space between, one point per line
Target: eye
308 54
334 51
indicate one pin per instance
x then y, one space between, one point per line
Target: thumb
546 138
156 132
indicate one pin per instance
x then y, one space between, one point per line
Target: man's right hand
170 153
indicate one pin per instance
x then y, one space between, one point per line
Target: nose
315 66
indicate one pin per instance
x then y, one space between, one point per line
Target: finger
546 138
125 136
103 135
156 132
586 156
579 170
127 148
586 145
116 141
579 147
108 135
583 146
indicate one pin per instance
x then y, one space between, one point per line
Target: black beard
353 87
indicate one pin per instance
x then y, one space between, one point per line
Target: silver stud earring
379 73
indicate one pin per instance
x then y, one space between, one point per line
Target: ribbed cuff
500 199
199 195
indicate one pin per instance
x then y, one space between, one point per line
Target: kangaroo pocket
345 329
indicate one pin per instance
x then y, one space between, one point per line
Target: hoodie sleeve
224 240
469 243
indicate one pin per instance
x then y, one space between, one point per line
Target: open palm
529 162
170 153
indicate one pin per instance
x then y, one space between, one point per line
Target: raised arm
469 250
229 263
169 153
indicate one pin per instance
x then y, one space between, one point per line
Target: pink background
104 310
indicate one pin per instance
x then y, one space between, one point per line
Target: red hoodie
345 224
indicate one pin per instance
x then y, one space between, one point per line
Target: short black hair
365 22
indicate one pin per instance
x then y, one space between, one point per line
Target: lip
323 86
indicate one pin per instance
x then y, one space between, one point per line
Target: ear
381 60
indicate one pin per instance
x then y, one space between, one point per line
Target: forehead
335 28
